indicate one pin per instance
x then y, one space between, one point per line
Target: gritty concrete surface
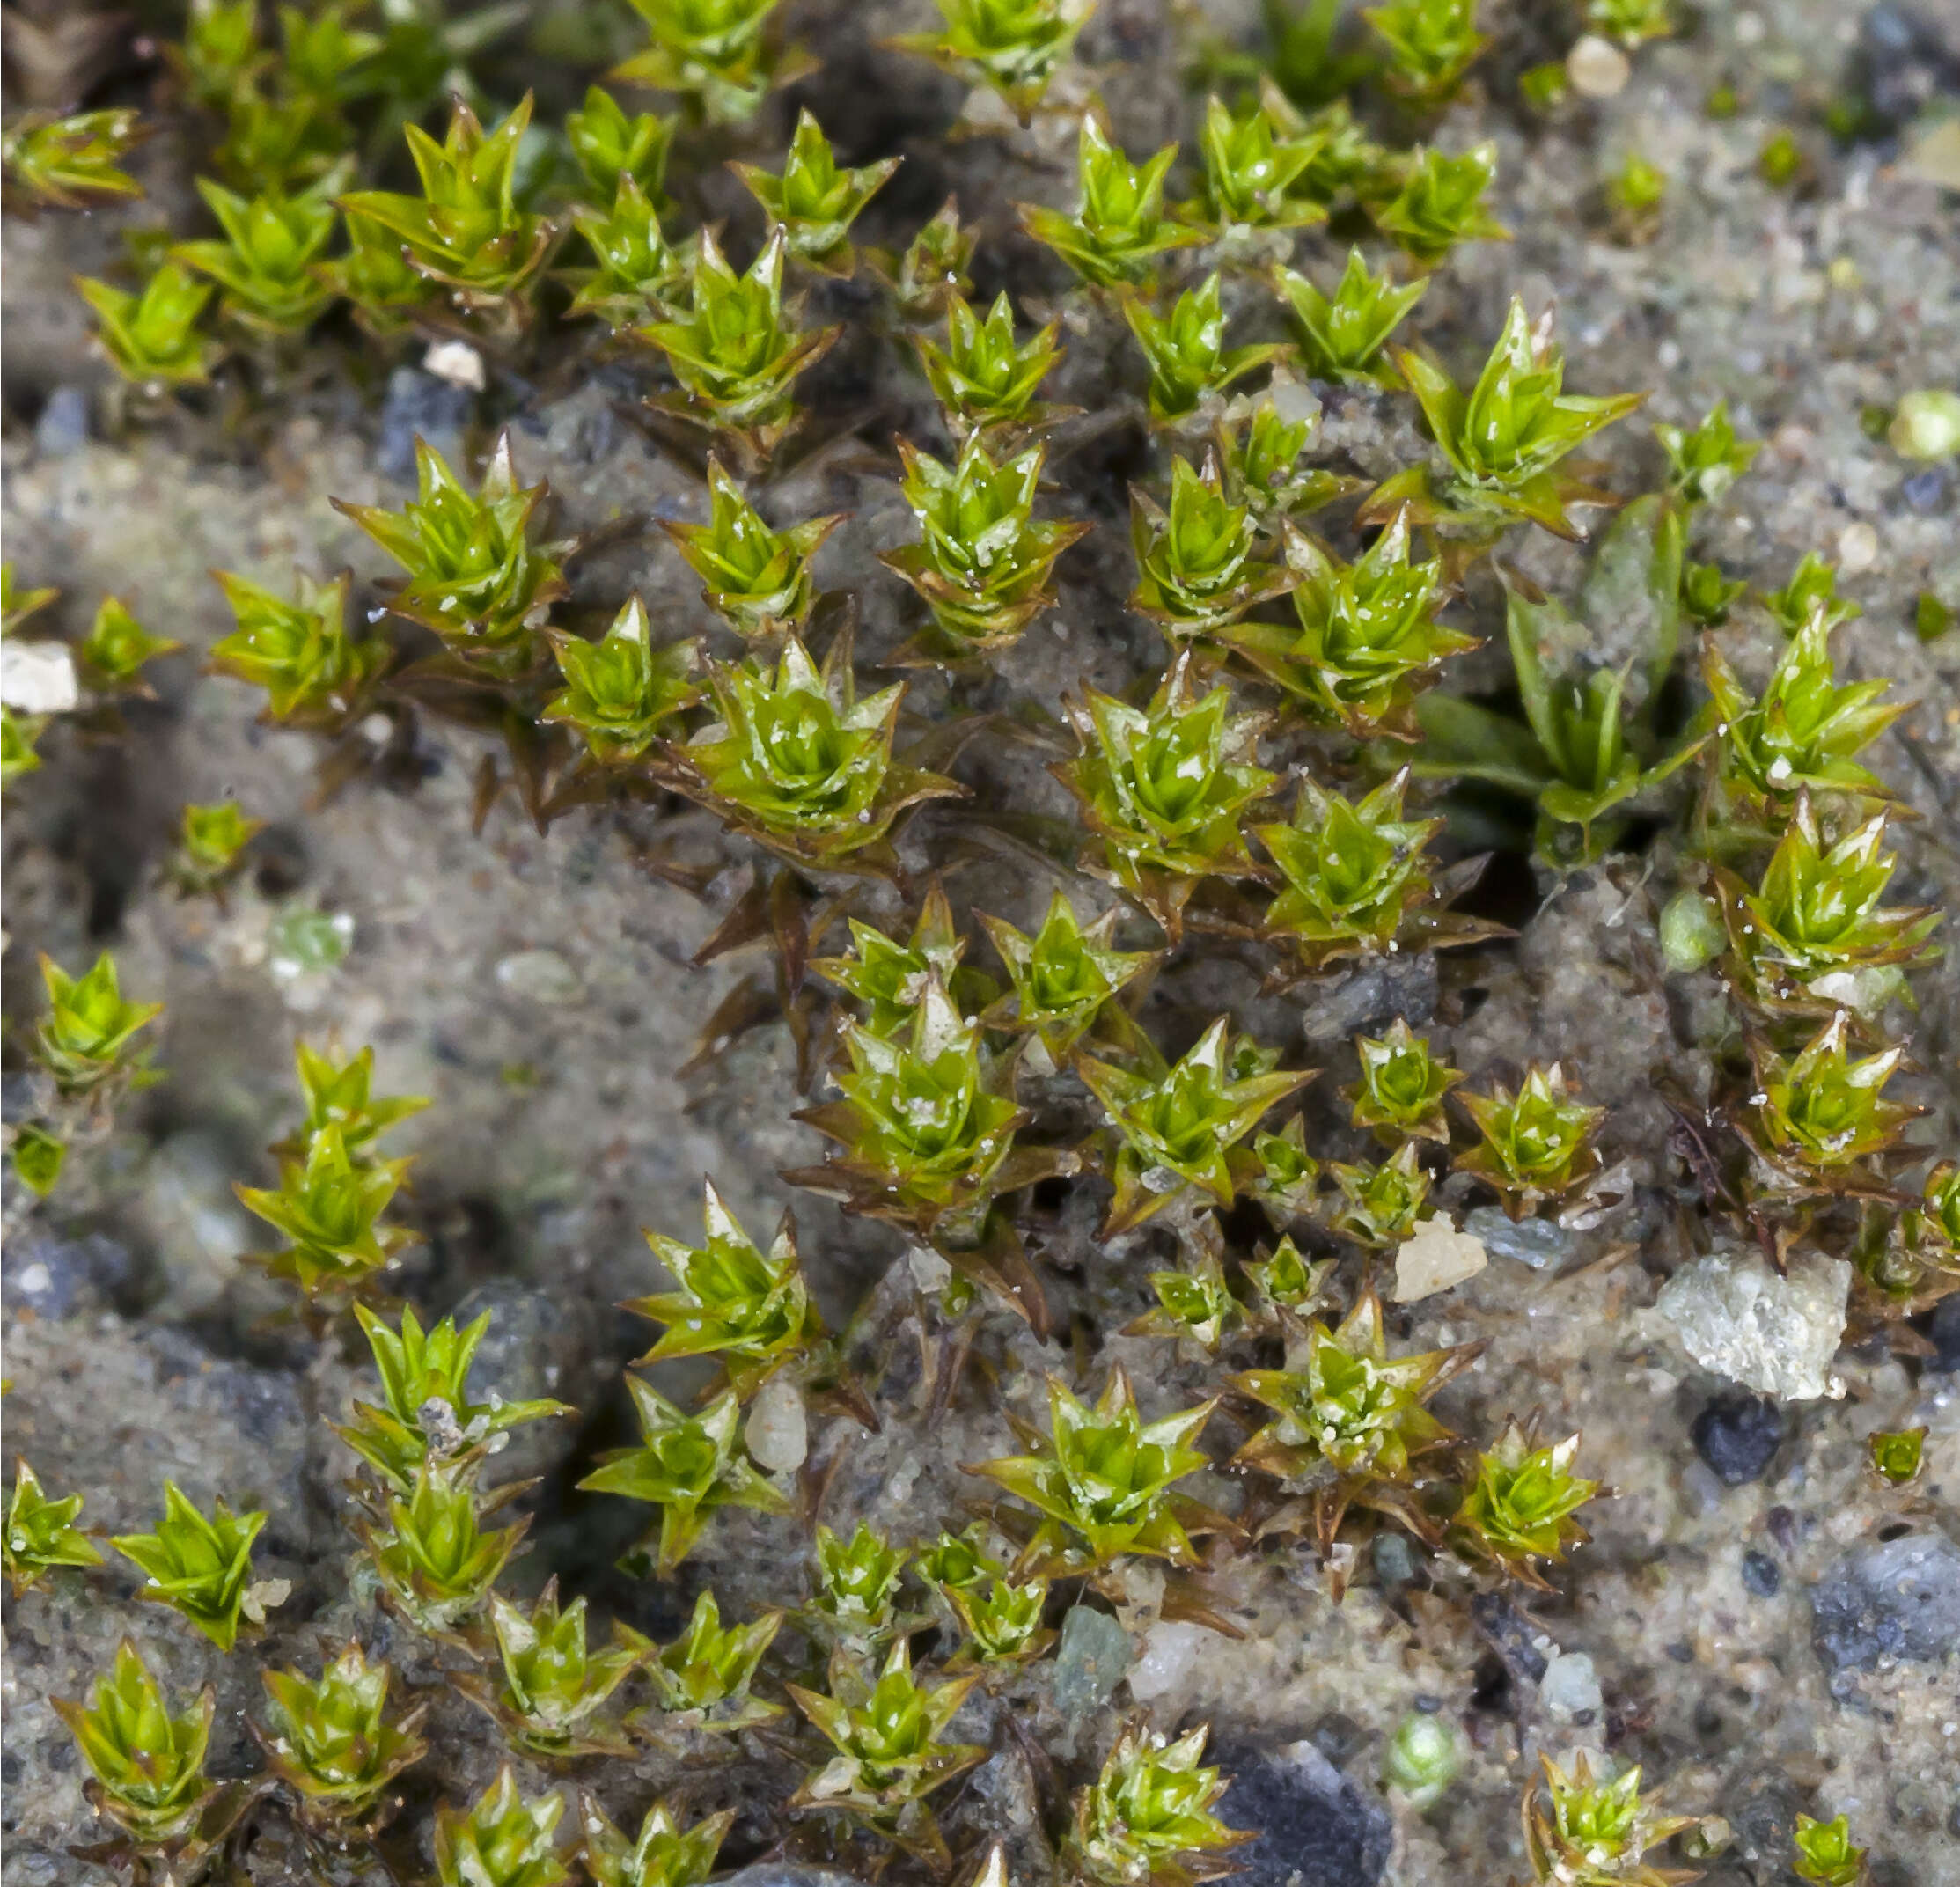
539 990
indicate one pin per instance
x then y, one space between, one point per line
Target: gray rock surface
1316 1828
561 1124
1898 1598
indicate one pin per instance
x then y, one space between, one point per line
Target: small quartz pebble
1170 1648
457 363
1570 1688
1090 1660
539 976
37 677
1857 548
1598 67
778 1432
1775 1335
1437 1257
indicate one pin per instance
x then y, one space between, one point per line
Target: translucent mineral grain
1735 1315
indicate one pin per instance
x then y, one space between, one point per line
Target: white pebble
1598 67
1857 548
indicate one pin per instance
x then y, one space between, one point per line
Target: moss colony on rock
1368 1083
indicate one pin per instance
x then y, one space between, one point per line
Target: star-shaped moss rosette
1165 788
434 1560
1350 1426
328 1208
1594 1829
40 1533
935 267
69 163
1286 1285
888 979
1354 880
1812 590
553 1685
1180 1127
984 562
18 733
610 146
1535 1143
466 231
210 849
1427 201
425 1409
984 380
1199 565
1365 643
1503 441
146 1763
664 1853
1432 45
1063 976
1516 1513
1826 1854
759 580
621 693
1119 227
1632 22
1014 47
1931 1229
1342 335
1260 453
748 1308
1146 1819
504 1839
1814 936
1402 1086
1803 731
375 277
799 763
339 1092
1190 364
1194 1305
19 606
1706 459
151 336
687 1466
1288 1176
315 673
888 1730
1104 1482
999 1619
87 1038
1586 757
721 56
814 201
110 659
264 263
636 267
334 1742
737 350
1819 1118
1377 1206
926 1127
703 1678
475 577
198 1564
854 1596
1251 162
